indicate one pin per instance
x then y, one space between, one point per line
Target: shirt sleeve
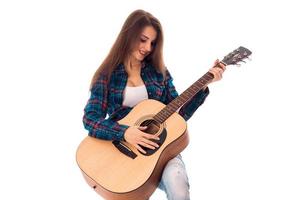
188 109
95 111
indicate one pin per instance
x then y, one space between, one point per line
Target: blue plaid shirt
107 99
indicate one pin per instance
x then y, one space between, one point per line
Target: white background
244 138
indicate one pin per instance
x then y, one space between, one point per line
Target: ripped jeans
174 180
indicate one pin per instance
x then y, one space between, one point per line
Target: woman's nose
148 46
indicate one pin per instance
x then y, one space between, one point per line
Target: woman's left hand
217 70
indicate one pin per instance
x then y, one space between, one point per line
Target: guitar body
116 176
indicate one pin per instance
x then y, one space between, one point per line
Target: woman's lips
142 53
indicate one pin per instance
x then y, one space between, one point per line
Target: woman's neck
133 65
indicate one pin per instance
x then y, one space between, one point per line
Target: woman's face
145 43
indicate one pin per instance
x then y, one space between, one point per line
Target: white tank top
134 95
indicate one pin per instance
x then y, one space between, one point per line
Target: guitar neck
182 99
231 59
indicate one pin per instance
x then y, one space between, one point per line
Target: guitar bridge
124 149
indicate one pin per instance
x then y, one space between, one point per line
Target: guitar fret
210 75
174 104
181 100
202 81
190 94
164 113
200 85
207 79
161 117
192 89
156 118
158 115
173 107
195 88
178 102
183 95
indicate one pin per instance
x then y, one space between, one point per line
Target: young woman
134 70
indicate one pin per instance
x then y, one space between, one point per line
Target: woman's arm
187 110
95 113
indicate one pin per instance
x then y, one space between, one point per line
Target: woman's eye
143 40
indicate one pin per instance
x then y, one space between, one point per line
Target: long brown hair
127 39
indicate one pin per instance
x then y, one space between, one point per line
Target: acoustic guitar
117 170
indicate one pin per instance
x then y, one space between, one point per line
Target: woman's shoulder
102 78
101 81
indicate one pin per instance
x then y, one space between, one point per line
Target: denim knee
175 181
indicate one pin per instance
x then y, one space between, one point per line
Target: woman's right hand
135 136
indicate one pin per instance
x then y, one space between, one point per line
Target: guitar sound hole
153 127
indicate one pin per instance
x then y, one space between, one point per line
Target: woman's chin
140 58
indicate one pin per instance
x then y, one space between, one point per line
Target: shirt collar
121 67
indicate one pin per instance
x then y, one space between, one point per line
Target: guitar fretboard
182 99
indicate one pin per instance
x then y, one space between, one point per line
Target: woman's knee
175 180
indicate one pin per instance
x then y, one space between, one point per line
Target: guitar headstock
236 56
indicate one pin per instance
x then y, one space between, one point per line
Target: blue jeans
174 180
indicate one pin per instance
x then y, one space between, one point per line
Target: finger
142 127
223 66
149 142
217 75
221 71
220 76
216 61
140 148
214 71
146 145
150 136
